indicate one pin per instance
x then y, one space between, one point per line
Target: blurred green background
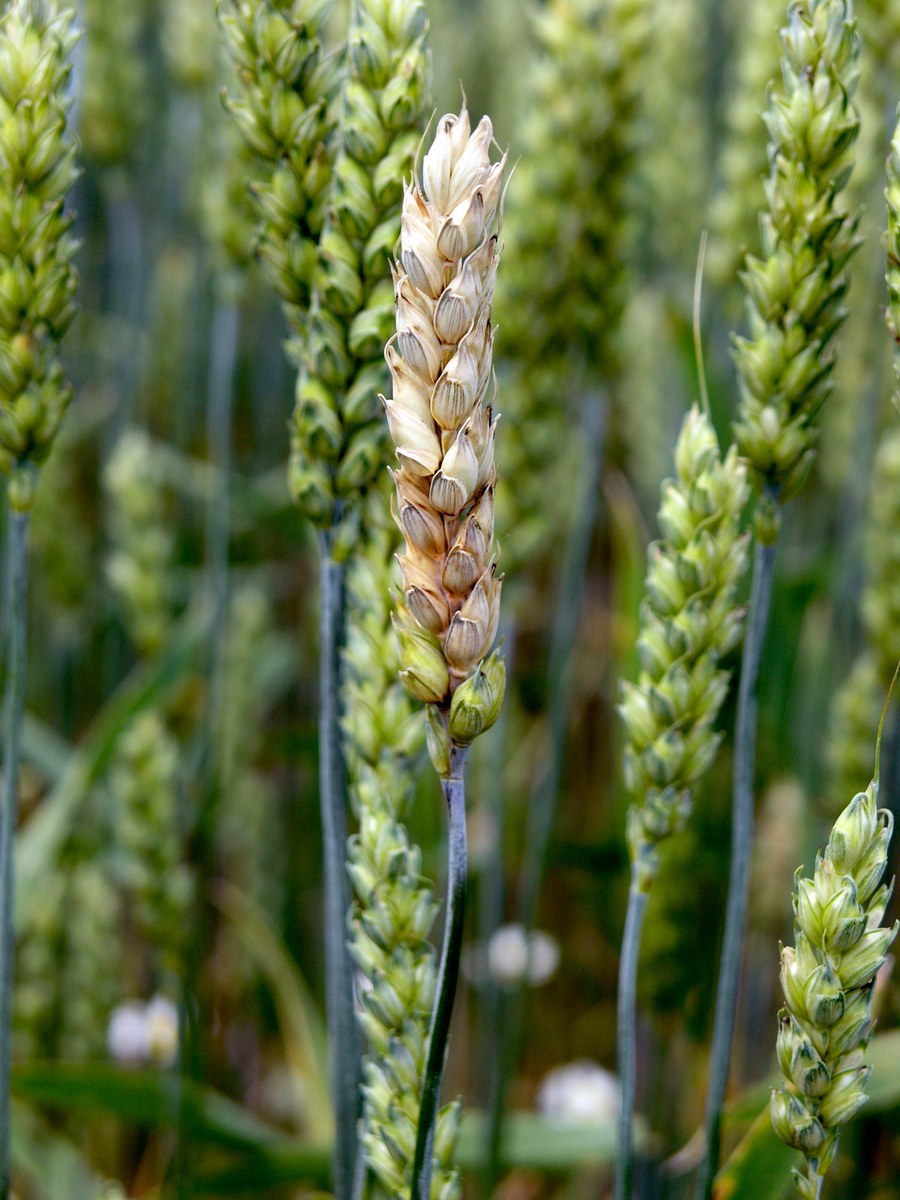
634 128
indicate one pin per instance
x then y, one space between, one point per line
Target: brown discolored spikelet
440 361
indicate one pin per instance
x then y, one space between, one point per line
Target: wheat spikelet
338 441
689 620
827 978
283 110
795 290
440 361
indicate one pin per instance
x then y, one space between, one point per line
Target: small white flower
581 1092
161 1022
513 957
126 1033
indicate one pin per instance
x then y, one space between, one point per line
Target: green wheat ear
689 619
282 104
827 979
37 276
144 781
139 567
567 242
339 440
795 289
114 104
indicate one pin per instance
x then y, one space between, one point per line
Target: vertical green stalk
496 1062
346 1046
13 706
453 787
741 848
625 1035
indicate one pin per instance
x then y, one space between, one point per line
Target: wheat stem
343 1034
13 705
453 787
741 847
626 1035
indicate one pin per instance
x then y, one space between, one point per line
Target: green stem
448 975
625 1036
741 846
13 706
343 1032
491 902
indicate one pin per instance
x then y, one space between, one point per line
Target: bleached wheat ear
441 367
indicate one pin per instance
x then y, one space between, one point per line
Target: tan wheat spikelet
441 365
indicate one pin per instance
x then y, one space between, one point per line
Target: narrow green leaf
39 841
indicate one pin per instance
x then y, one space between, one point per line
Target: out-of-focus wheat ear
157 882
856 702
114 104
139 567
562 298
